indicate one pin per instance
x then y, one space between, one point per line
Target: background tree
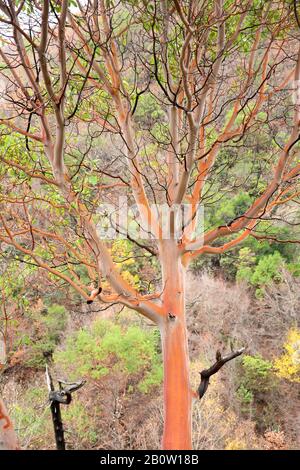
167 102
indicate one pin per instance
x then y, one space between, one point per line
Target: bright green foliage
256 381
107 348
294 268
267 271
245 395
257 374
258 391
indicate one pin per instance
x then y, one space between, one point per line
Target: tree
168 103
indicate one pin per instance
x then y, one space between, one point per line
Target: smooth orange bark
177 392
177 433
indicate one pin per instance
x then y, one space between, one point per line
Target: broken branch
207 373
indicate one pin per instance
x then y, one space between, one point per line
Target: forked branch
207 373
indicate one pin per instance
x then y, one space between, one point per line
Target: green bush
245 395
107 347
264 273
267 270
258 391
257 374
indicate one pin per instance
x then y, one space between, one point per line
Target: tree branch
207 373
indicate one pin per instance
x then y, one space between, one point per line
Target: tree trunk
8 438
177 390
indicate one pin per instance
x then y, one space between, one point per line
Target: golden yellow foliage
287 366
124 260
235 444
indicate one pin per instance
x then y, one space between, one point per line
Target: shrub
268 270
287 366
245 395
263 274
257 373
256 378
107 347
257 391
